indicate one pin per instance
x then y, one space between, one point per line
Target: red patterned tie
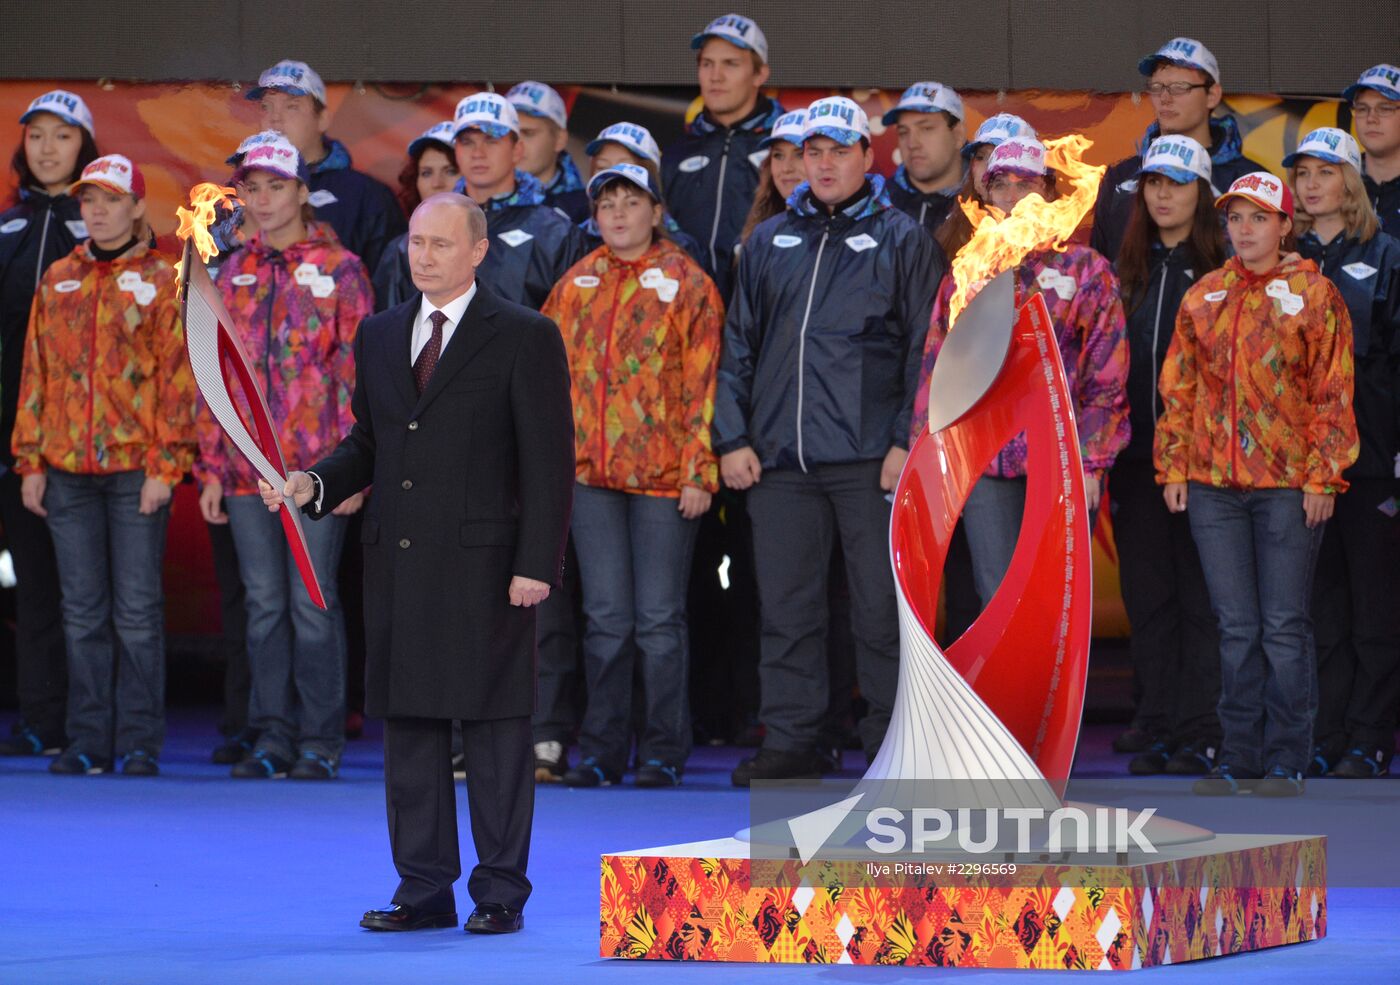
427 360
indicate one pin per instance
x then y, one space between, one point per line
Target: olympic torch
222 368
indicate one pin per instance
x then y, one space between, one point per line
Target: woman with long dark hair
40 225
1173 238
431 167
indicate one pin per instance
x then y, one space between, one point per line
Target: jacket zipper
603 380
923 211
1156 327
1234 391
102 270
719 200
43 242
267 350
802 345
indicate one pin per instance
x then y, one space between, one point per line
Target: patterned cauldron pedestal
708 901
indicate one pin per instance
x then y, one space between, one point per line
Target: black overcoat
473 483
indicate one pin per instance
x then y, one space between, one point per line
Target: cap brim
72 121
493 130
1264 204
257 92
891 117
772 139
1182 176
1328 156
419 143
1349 93
242 172
698 42
596 183
97 183
1006 169
839 134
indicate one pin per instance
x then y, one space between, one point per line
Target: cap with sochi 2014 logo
1263 189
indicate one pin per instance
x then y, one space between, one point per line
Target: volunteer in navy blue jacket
1357 584
928 121
531 244
431 168
1173 238
632 143
1375 110
41 225
544 132
821 358
362 211
709 176
1183 83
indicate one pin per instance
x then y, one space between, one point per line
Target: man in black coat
464 427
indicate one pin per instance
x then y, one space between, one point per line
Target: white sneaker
549 762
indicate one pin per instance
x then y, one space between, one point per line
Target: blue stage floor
196 878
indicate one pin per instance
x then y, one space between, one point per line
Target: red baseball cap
1263 189
115 173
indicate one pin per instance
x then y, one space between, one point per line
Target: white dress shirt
423 327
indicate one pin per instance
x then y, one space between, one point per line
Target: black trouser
351 583
796 517
1356 618
961 604
558 665
422 807
233 618
41 657
1175 646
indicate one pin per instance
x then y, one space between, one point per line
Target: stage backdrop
181 134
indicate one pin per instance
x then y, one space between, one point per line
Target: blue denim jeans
1259 557
109 568
634 556
296 652
992 519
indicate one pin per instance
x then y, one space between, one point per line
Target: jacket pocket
487 533
369 531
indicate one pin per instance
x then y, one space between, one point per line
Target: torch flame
1001 241
205 199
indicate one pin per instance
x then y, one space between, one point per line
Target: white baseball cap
789 127
115 173
271 151
488 112
638 176
1383 78
67 106
1178 157
292 77
737 30
538 99
996 130
1186 52
1263 189
438 133
1024 155
836 117
635 137
926 97
1327 144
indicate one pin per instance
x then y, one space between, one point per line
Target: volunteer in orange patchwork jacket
297 297
1256 431
642 324
1081 291
103 433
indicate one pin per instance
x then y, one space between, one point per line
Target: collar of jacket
660 247
1226 144
528 191
1372 184
1338 243
337 157
566 176
318 234
875 200
765 113
84 252
39 199
1285 269
901 178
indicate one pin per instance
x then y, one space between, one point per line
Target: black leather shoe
397 916
493 918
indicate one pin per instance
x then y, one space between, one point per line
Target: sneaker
139 762
774 764
1223 781
459 766
591 773
1151 761
1363 764
1280 782
1325 757
261 765
236 747
71 762
655 773
1134 740
551 761
26 742
1194 758
313 766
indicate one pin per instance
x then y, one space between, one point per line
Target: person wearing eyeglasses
1375 109
1183 82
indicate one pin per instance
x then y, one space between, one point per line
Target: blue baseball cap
1327 144
836 117
638 176
271 151
1383 78
738 30
789 127
439 133
538 99
996 130
926 97
1186 52
292 77
635 137
67 106
488 112
1178 157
